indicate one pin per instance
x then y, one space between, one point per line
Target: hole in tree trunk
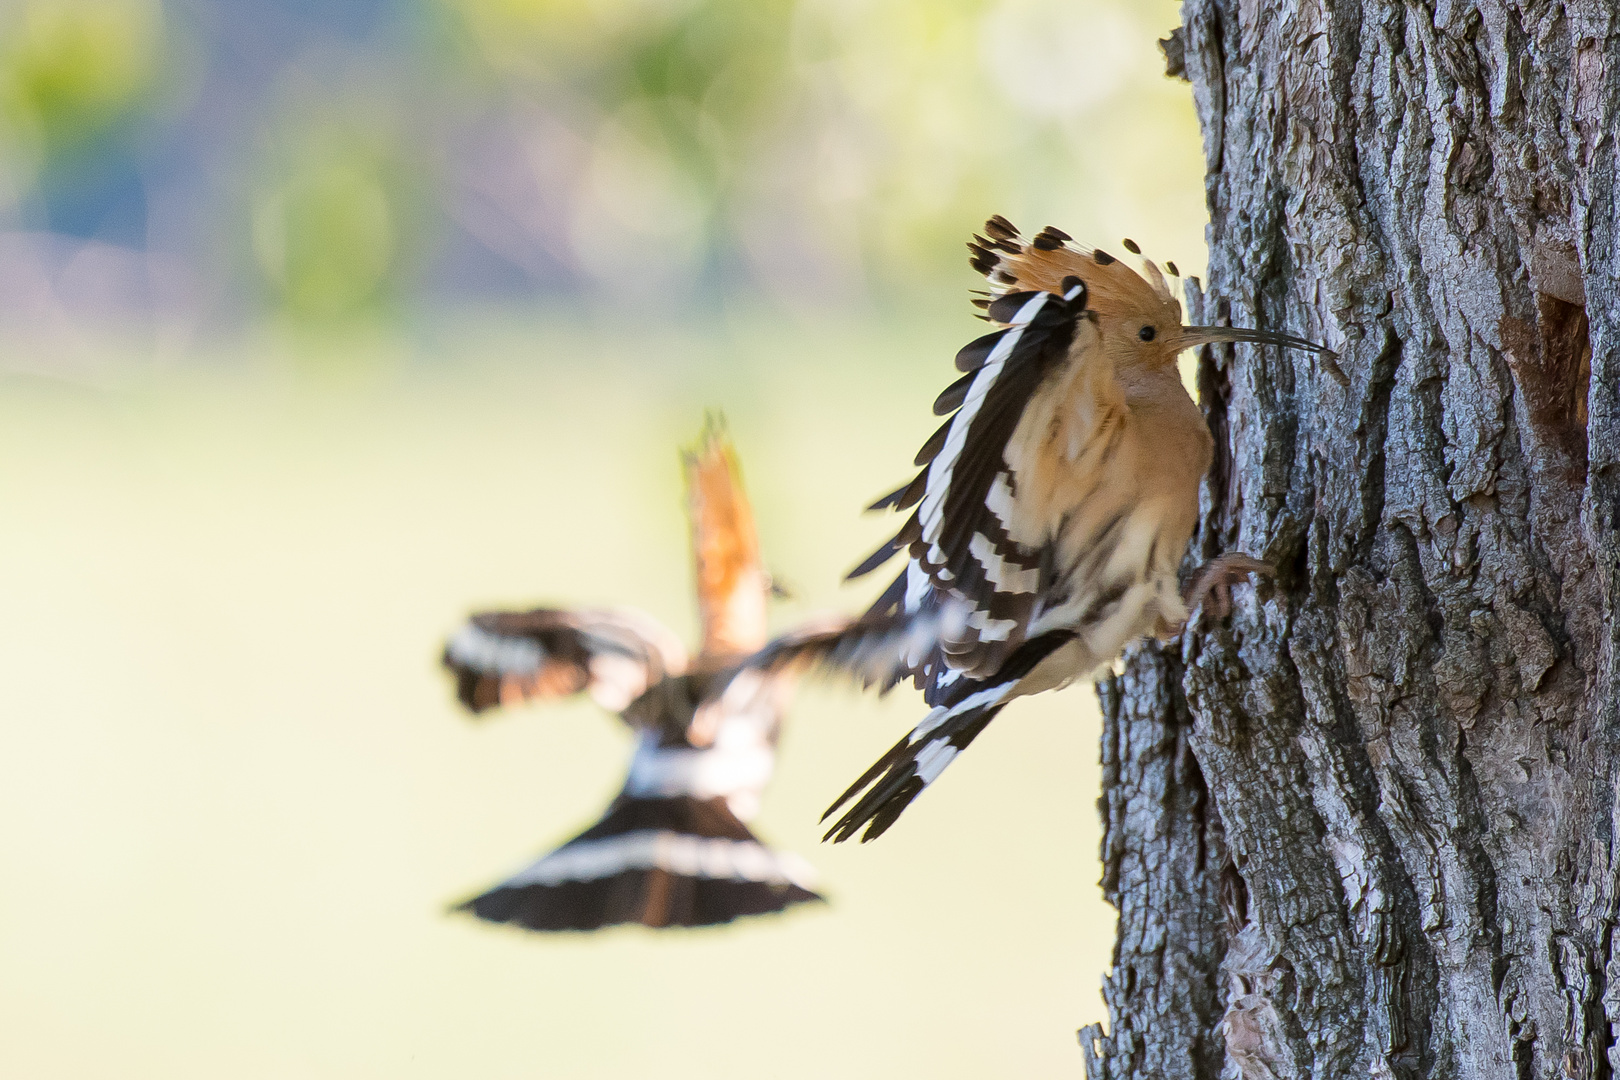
1552 364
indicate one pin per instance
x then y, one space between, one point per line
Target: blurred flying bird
1055 503
672 849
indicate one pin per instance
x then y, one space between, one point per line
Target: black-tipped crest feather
1000 228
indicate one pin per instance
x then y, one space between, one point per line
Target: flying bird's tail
661 862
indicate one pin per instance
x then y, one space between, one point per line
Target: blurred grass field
235 796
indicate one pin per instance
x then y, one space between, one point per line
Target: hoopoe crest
732 583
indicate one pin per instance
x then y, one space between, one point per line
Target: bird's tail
661 862
913 763
964 706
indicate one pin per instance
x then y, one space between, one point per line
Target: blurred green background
324 322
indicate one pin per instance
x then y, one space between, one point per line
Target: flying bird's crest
732 583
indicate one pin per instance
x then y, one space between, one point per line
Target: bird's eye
1146 333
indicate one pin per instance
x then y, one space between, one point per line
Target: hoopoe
673 848
1055 503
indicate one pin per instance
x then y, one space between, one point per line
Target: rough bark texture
1391 849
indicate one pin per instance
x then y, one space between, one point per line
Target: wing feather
914 762
872 650
504 658
962 541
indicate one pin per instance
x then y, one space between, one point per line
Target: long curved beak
1192 336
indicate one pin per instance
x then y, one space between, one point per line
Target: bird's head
732 583
1137 315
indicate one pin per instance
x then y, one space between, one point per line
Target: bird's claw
1211 588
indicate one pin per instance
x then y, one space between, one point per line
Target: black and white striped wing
876 649
714 733
958 541
503 658
744 702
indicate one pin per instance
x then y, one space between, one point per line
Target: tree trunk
1366 826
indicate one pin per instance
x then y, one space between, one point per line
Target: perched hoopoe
672 849
1055 503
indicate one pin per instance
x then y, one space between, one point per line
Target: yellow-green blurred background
324 321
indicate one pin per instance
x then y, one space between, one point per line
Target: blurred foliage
861 140
71 68
326 237
337 198
815 150
69 71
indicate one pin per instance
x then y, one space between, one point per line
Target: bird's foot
1211 587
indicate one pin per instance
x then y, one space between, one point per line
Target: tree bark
1366 826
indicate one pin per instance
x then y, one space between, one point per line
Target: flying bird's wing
732 584
503 658
982 533
738 707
